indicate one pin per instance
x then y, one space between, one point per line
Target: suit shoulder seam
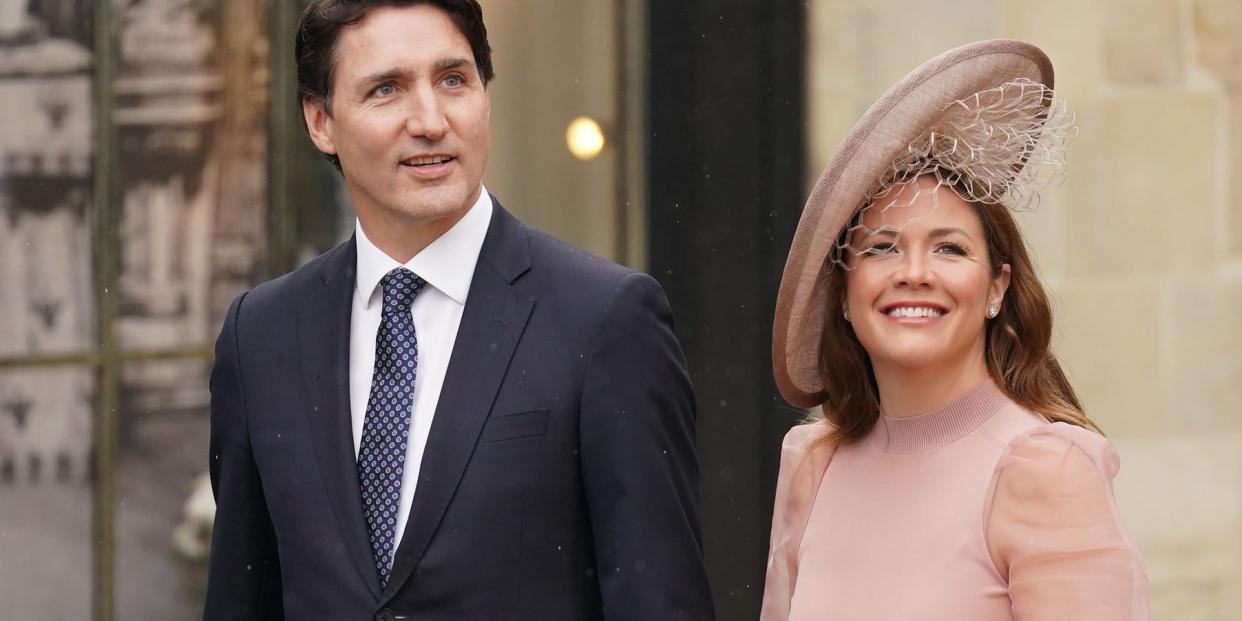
237 360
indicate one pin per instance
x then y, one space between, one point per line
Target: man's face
409 117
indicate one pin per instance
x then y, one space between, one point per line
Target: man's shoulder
571 263
579 285
303 281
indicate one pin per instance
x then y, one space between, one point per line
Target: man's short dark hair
320 28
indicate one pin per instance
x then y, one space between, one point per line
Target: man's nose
425 116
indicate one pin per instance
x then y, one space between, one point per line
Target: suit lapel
323 342
492 322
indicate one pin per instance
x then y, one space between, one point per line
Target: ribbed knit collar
944 425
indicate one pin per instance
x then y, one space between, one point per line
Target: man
450 416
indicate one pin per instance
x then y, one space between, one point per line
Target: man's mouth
427 160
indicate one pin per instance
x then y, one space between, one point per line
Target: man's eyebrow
444 64
382 76
395 74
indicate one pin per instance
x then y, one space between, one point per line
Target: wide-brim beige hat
879 138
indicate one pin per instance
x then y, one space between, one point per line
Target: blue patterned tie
381 458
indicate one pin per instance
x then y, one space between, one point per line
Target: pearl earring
845 312
993 311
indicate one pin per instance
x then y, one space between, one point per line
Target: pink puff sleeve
1054 532
803 461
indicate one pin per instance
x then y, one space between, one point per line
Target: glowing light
585 138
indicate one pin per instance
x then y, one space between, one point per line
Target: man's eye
453 80
384 90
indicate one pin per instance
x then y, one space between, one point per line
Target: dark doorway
726 190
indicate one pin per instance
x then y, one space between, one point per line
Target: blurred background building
153 165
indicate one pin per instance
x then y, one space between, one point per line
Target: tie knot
400 287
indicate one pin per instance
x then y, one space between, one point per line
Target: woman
955 475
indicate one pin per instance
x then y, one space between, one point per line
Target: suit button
385 615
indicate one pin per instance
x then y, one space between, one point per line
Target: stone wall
1142 248
554 62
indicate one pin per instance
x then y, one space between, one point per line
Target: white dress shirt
447 264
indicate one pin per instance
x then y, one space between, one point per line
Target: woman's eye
951 248
884 248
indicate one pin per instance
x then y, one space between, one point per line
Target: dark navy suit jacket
559 480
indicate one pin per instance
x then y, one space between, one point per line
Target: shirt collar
446 263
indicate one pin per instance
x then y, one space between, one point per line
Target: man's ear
319 125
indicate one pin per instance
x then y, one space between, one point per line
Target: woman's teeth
913 311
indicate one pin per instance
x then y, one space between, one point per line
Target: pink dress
977 510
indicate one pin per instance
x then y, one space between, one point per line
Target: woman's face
919 299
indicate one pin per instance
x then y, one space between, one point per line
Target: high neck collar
943 425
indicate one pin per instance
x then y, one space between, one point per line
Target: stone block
1143 42
1068 31
1107 337
857 49
47 546
1180 496
831 113
14 304
833 101
1187 600
1202 354
1231 603
832 39
1216 26
1042 230
898 35
1233 213
1143 190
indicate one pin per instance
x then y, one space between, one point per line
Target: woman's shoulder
805 452
1054 530
800 437
1023 435
807 443
1060 448
1051 472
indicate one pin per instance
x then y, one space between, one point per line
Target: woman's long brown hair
1017 346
